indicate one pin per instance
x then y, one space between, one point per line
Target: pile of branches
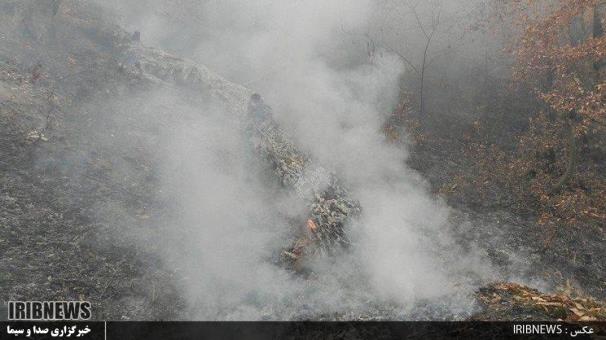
330 206
562 306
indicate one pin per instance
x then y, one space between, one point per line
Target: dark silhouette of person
258 110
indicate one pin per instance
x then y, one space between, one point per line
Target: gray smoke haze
227 220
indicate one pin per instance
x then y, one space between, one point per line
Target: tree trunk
423 66
421 101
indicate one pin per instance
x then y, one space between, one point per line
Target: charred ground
56 177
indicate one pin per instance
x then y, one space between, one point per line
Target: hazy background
332 73
157 200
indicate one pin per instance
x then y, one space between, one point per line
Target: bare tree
428 34
428 30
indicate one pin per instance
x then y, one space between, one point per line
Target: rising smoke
227 221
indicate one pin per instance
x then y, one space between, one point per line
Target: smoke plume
227 220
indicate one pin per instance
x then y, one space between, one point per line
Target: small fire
311 225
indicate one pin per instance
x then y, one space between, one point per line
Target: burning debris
522 302
45 205
330 205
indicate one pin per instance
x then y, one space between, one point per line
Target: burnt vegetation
501 107
532 138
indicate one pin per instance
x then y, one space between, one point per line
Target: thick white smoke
228 222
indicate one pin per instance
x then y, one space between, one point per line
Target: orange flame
311 225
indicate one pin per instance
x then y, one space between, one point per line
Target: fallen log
330 205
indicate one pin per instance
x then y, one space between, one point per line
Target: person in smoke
258 110
260 117
136 37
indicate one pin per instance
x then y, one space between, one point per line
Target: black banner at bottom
127 330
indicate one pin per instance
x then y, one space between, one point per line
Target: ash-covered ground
127 179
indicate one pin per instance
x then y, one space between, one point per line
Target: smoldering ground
224 220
